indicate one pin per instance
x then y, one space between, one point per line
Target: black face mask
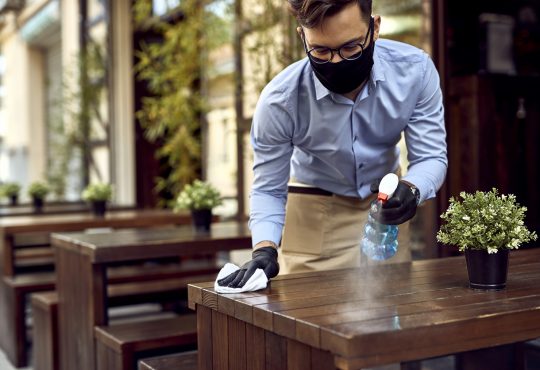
347 75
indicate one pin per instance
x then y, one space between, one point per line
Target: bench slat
148 335
184 361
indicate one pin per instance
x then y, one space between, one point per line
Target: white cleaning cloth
256 282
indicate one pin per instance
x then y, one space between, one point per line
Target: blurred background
150 95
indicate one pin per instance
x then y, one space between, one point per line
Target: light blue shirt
303 130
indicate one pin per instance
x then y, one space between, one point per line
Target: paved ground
5 365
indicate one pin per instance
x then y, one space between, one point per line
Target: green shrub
38 190
198 195
97 192
484 220
10 189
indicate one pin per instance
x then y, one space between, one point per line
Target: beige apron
323 232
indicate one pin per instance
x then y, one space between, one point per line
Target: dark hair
310 13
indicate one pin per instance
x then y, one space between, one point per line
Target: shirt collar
377 74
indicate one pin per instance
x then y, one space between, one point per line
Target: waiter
326 128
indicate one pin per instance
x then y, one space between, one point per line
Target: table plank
276 351
299 355
237 344
204 337
220 341
256 356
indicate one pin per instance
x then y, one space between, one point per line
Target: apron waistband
308 190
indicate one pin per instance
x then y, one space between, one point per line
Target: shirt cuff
265 231
425 188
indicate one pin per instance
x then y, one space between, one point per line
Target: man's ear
299 31
376 26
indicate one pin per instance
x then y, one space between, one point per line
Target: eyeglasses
349 51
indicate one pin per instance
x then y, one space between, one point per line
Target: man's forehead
339 28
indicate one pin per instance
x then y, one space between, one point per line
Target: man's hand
263 258
401 207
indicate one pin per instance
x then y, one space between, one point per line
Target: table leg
81 306
8 260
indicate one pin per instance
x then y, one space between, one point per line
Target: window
406 20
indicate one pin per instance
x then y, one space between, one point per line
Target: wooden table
6 204
82 261
357 318
10 227
54 208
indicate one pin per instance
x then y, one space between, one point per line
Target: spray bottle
380 241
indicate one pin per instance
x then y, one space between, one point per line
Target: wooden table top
83 220
389 313
153 243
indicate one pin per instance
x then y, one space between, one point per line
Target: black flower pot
201 218
99 207
13 199
487 271
37 203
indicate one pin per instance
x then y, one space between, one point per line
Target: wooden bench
177 361
23 250
33 259
156 283
119 346
127 287
12 307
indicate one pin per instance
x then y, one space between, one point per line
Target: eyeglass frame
338 50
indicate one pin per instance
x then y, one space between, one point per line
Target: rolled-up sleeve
425 136
271 139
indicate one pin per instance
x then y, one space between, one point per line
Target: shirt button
355 138
360 165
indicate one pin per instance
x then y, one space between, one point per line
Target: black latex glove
400 208
263 258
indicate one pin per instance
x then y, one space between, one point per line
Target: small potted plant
38 191
11 190
199 197
485 225
98 195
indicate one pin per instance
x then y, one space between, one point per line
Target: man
330 123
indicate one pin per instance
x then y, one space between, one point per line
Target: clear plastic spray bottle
380 241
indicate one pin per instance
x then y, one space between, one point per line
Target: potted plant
199 197
485 225
98 195
38 191
11 190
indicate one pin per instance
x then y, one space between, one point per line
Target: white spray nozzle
387 186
